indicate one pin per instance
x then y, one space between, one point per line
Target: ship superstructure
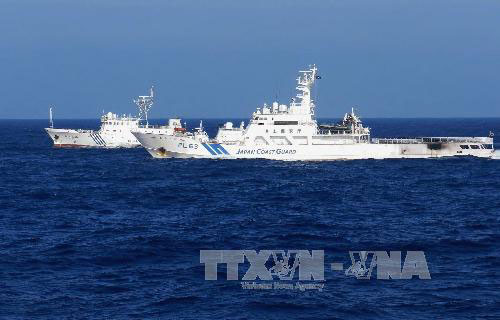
115 130
291 132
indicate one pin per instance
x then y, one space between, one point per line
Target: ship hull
184 147
70 138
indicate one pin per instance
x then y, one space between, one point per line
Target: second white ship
115 130
291 132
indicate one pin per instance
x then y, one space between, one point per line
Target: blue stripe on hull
219 149
209 149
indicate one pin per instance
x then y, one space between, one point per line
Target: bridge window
474 146
488 146
464 146
286 123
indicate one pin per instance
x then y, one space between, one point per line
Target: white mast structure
50 118
305 81
145 103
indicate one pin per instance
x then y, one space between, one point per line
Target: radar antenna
144 103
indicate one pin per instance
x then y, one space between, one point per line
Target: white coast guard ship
115 130
290 132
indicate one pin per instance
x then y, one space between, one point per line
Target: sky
222 59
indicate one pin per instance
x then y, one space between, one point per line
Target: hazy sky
222 59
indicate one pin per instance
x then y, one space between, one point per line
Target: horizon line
216 118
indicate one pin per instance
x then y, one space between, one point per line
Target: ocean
116 234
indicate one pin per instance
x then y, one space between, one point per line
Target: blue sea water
115 234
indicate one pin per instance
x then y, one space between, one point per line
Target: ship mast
51 122
144 103
304 84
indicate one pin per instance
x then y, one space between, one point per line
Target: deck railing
432 140
155 126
